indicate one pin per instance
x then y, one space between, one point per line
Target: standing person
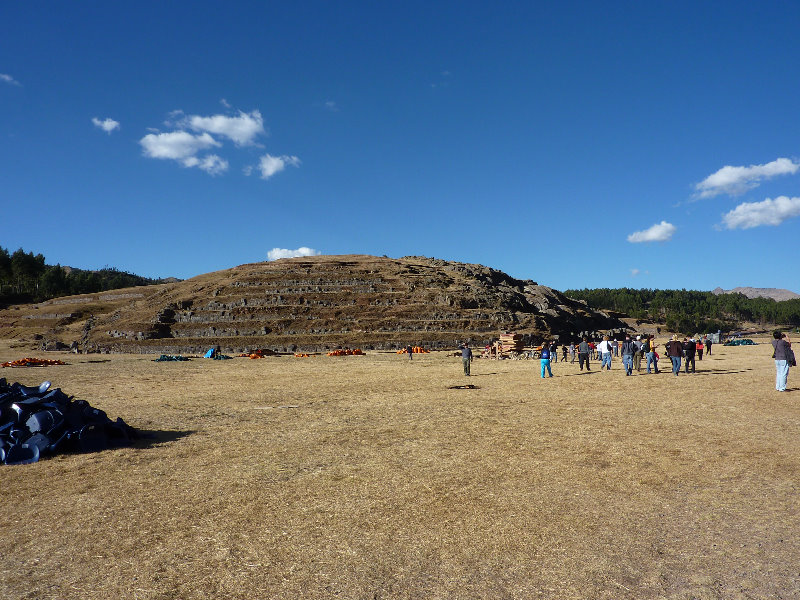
564 353
604 348
637 354
708 346
554 352
572 352
466 357
700 347
628 349
675 353
410 351
783 358
615 347
545 360
689 348
649 349
583 353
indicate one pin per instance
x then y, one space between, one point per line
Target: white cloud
768 212
277 253
176 145
211 164
735 181
635 272
107 125
9 79
242 129
269 165
183 147
661 232
332 106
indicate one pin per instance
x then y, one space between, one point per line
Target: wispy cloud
242 129
768 212
661 232
635 272
735 181
107 125
211 164
183 147
331 106
268 165
277 253
9 79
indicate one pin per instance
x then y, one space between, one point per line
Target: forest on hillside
689 311
25 277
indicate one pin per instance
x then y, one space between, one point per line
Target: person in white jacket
605 350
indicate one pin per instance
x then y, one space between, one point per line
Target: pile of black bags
37 421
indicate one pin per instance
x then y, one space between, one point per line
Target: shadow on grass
149 438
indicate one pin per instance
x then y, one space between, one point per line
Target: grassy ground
369 477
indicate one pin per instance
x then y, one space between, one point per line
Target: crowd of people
684 353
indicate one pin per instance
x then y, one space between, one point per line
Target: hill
776 294
311 303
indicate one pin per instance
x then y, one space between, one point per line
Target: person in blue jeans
649 349
545 360
628 349
675 353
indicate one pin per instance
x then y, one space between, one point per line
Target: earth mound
312 303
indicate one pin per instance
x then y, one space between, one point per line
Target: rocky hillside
310 303
776 294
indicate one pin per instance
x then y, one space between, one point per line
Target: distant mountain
751 292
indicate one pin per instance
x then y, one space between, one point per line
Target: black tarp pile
36 421
170 357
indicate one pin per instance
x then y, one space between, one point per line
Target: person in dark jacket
583 353
628 350
675 353
783 355
466 357
689 348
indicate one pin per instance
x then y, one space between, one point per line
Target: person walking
708 346
700 347
466 357
615 347
649 349
783 358
572 352
545 360
675 353
637 354
689 348
410 351
554 352
583 353
605 350
628 349
564 353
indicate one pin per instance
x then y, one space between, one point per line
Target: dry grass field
371 477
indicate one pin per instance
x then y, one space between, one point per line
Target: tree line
25 277
689 311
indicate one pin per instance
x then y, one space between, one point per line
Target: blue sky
579 144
